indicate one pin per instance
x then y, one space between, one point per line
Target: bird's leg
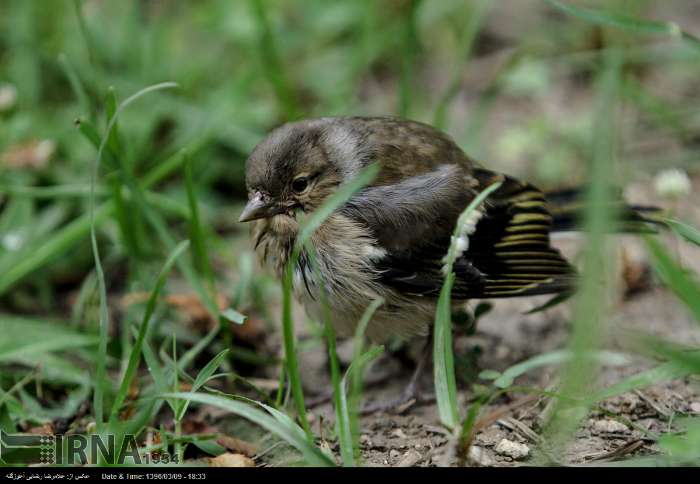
410 393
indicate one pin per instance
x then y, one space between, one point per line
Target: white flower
8 97
672 183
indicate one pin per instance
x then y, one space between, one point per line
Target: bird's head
296 167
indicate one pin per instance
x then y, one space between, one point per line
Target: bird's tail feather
567 207
511 244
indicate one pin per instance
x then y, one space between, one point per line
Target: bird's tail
567 208
511 248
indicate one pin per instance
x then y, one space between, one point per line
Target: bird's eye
300 184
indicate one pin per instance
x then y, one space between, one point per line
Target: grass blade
78 229
590 322
306 231
272 65
683 285
24 337
135 356
665 372
445 382
342 195
408 57
353 375
624 22
552 358
197 236
98 397
202 377
466 39
278 424
688 232
76 85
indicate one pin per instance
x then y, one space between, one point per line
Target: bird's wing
508 253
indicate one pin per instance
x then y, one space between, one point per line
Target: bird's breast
341 264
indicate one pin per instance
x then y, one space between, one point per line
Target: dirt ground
504 337
507 337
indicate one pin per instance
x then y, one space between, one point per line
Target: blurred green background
511 81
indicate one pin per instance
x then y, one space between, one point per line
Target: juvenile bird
389 240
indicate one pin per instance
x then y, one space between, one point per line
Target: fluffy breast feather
345 252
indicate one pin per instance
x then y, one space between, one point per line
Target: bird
390 238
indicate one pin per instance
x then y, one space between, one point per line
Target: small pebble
695 407
410 459
394 454
398 433
478 456
609 426
512 449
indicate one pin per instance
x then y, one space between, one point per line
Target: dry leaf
237 445
635 274
32 154
252 331
193 308
46 429
192 425
231 460
189 304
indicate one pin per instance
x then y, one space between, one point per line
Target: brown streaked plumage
390 238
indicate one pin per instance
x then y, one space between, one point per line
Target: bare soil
619 428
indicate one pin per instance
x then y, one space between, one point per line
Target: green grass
443 359
305 232
133 175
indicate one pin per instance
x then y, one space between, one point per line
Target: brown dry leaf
133 298
635 274
191 425
193 308
231 460
128 412
32 154
237 445
46 429
252 331
189 304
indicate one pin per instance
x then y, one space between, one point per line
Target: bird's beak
257 207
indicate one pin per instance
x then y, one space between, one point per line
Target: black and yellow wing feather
511 248
509 253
